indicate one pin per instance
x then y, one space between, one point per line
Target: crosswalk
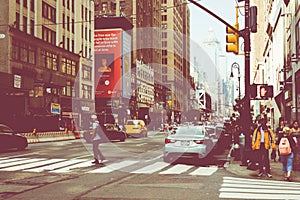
58 165
242 188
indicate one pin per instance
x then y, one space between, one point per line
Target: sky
201 22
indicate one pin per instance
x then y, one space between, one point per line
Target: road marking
151 168
155 158
64 163
177 169
242 188
141 144
31 165
11 160
113 167
204 171
18 162
78 165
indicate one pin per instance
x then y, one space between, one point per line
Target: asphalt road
134 169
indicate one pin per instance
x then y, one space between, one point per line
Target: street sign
2 36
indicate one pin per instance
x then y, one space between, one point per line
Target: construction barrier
51 136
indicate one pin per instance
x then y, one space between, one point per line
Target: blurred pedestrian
96 140
287 159
278 134
263 139
295 129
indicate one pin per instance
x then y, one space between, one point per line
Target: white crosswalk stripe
30 165
18 162
242 188
55 166
114 167
177 169
151 168
204 171
73 165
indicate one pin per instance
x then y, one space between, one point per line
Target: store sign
17 81
55 108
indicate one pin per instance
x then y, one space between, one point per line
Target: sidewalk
276 170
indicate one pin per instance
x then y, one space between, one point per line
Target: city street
134 170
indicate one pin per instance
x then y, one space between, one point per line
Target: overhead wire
89 21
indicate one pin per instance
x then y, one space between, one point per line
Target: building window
86 91
67 90
32 5
164 61
31 27
18 21
164 35
68 23
73 5
164 69
164 52
86 73
25 3
25 24
48 35
49 60
69 67
73 25
164 78
23 52
49 12
164 18
63 21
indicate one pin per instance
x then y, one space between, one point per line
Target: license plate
185 143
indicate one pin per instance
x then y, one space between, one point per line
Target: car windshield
134 122
190 131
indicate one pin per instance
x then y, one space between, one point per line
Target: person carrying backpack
286 149
262 140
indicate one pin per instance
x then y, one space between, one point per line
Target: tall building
46 63
160 39
175 31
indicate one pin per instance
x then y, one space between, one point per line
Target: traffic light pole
246 119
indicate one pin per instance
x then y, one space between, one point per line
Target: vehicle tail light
199 141
167 140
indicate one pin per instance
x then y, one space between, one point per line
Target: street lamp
237 66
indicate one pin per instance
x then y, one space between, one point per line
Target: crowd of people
266 144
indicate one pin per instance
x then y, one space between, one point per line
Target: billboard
108 63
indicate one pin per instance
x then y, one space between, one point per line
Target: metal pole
246 118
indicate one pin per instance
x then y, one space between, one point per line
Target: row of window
27 53
25 4
68 90
49 12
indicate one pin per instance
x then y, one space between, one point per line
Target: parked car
136 128
114 132
11 140
192 142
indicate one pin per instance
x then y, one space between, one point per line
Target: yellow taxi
136 128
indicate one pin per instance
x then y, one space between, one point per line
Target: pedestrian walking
286 149
295 129
263 139
96 140
278 134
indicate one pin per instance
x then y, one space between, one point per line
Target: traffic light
232 39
